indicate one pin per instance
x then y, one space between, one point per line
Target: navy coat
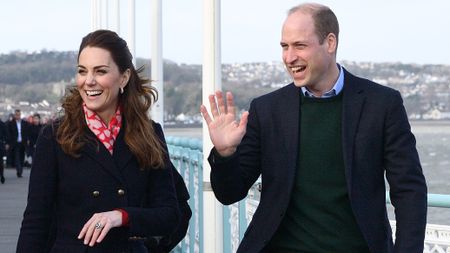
3 139
376 141
64 192
13 132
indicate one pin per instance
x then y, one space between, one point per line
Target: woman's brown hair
135 101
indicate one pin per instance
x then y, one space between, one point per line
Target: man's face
306 60
17 115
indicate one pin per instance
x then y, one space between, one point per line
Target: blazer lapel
353 103
289 122
97 152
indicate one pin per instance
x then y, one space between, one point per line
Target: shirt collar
337 88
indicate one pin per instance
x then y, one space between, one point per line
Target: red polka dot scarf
106 134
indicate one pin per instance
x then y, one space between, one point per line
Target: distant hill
46 66
32 76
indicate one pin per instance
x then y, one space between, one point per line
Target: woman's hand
96 228
225 132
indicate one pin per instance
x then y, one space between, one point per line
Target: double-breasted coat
65 191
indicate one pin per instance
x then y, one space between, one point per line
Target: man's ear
331 41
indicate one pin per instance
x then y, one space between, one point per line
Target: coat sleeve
10 130
37 218
408 191
185 212
160 216
3 137
167 243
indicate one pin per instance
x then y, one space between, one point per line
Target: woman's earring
121 90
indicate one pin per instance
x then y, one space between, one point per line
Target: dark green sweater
319 217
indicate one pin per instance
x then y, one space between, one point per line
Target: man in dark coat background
18 130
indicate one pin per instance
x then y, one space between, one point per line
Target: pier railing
187 156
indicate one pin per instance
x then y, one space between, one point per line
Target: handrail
191 143
439 200
187 156
434 200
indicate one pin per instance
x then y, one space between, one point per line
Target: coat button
121 192
95 193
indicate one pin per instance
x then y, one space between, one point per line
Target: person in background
29 119
3 139
323 146
101 179
9 153
35 129
19 133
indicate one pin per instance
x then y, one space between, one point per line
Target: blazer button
95 193
120 192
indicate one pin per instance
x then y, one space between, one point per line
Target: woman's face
99 81
36 120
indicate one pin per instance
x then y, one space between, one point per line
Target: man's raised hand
225 132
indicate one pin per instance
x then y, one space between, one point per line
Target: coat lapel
122 153
97 152
353 103
289 122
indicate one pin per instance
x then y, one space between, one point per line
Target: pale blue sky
408 31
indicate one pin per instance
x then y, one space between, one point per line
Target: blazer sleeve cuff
216 158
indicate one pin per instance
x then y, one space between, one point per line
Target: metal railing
187 156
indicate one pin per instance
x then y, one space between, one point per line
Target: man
18 137
322 146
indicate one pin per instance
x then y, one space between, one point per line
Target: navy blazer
376 140
14 132
64 192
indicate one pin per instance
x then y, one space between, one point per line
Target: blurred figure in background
18 130
35 128
9 154
3 138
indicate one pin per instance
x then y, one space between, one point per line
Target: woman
35 128
3 138
101 179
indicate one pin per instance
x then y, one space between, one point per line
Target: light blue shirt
337 88
19 131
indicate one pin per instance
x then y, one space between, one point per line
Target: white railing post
131 29
213 223
157 61
117 15
94 14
